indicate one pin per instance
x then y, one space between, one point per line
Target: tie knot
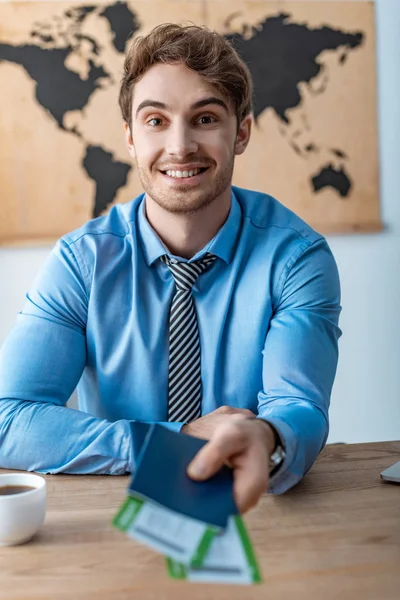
185 274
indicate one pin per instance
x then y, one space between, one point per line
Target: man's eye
154 122
206 120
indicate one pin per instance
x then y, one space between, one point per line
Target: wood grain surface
336 535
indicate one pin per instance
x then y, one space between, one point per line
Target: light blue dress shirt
98 312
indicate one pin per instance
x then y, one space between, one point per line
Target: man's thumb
206 462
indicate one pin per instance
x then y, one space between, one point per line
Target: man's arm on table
41 363
300 359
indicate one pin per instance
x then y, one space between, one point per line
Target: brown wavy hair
201 50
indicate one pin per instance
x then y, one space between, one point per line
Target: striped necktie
184 372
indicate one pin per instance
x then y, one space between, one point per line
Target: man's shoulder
265 212
115 224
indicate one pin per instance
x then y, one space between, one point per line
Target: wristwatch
278 455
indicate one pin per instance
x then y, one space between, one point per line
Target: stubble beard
187 200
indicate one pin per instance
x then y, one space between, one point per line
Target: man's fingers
250 482
235 443
227 441
230 410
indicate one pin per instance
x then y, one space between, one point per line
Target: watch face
278 456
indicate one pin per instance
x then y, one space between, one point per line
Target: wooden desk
335 536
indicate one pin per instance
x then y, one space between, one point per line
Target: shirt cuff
173 425
285 477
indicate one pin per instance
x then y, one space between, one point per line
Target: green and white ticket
230 559
181 538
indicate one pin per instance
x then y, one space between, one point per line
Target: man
211 309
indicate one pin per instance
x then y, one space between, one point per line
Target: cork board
62 153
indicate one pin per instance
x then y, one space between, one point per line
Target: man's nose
181 141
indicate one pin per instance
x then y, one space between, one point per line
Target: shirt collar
222 245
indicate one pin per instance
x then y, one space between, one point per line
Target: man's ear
243 135
129 140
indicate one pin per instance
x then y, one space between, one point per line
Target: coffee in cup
10 490
22 507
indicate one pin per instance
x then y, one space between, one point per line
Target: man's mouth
184 174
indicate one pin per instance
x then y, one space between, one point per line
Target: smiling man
202 306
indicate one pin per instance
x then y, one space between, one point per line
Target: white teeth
179 174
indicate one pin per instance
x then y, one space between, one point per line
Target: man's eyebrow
210 100
150 103
199 104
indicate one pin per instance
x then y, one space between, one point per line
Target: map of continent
60 90
74 59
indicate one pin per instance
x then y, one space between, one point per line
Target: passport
161 477
195 524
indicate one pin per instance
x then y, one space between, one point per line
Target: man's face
184 137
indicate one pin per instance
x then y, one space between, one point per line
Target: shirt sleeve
300 360
41 363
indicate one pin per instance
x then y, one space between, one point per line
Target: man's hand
205 427
246 445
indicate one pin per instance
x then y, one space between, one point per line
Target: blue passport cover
161 477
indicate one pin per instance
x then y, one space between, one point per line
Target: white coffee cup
23 513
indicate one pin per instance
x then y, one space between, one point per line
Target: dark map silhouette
58 89
280 54
99 165
336 178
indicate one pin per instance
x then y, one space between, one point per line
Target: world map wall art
62 152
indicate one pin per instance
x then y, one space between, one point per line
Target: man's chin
183 208
182 201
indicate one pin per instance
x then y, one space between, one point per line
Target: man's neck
186 234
